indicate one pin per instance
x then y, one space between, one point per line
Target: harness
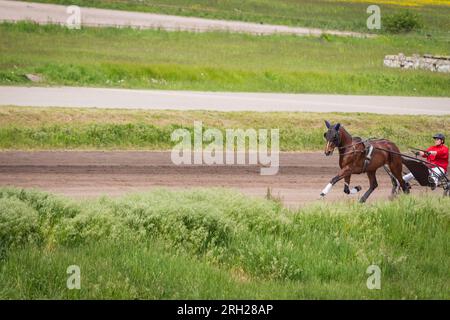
369 150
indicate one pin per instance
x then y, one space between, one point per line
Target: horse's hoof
407 188
322 196
358 188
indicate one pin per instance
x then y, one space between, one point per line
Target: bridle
337 141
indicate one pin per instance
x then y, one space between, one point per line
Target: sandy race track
88 174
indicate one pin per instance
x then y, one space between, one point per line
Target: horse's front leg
345 172
347 189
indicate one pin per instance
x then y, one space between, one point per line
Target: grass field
210 244
67 128
327 14
215 61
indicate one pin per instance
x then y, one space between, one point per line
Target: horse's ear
337 126
327 124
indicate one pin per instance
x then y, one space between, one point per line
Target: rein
355 144
352 145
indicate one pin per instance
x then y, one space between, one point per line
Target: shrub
257 237
18 224
402 22
89 226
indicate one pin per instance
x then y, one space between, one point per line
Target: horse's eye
325 135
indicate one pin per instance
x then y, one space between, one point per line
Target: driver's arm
442 154
429 152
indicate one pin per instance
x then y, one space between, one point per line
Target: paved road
217 101
50 13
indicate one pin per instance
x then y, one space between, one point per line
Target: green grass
341 15
152 59
67 128
211 244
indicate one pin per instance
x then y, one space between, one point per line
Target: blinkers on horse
332 137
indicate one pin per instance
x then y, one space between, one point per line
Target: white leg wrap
353 191
327 189
408 177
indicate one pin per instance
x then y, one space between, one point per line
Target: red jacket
441 158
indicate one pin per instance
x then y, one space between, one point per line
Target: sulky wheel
447 189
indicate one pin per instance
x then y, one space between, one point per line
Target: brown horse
357 156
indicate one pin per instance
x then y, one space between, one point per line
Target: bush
402 22
257 238
18 224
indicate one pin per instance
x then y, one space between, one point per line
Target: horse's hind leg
396 168
395 186
373 185
394 182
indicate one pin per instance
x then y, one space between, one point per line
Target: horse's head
332 137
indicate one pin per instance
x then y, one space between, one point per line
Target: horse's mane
358 139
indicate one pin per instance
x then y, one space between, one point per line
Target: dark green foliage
405 21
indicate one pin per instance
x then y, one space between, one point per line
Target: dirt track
88 174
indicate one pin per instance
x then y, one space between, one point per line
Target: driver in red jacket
436 155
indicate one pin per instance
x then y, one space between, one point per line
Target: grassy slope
327 14
220 244
215 61
62 128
